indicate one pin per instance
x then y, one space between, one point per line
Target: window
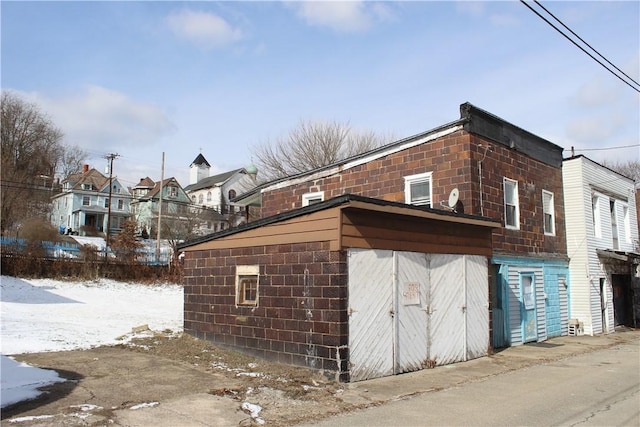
548 213
193 198
106 202
247 284
120 204
208 196
528 291
614 224
312 198
200 199
417 189
232 194
596 202
86 200
511 211
173 191
627 224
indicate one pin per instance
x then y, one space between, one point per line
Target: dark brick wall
301 318
454 160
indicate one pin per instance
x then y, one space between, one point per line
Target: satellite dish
453 198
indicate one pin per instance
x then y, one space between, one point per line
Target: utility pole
109 157
160 212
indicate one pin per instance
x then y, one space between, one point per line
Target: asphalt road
601 388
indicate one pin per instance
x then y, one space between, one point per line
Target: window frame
312 198
88 200
597 200
418 179
550 205
516 214
120 204
106 202
247 275
626 223
528 289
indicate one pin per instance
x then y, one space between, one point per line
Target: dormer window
173 191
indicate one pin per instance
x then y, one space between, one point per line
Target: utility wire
606 148
582 40
580 47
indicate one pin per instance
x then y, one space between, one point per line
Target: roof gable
214 181
200 160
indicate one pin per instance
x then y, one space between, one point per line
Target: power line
605 148
580 47
583 41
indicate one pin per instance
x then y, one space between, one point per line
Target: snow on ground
39 315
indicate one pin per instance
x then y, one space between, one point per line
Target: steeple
199 169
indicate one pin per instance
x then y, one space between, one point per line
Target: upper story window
200 199
312 198
614 224
418 189
511 205
193 198
86 186
172 191
209 196
106 202
596 210
120 204
548 213
86 200
247 284
627 224
232 194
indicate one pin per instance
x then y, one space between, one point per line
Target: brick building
496 192
499 171
314 286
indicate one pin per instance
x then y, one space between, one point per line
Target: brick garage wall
454 160
301 318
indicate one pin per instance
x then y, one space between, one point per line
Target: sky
41 315
140 79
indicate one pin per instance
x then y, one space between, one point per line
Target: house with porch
166 200
83 206
603 246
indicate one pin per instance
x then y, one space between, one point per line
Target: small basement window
247 284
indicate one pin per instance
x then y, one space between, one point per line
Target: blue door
528 308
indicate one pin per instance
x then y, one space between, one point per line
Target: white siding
582 178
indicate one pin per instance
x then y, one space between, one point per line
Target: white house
83 204
216 192
602 244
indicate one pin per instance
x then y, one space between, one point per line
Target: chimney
85 168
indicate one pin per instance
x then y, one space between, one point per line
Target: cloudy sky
143 78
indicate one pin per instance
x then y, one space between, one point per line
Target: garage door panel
370 321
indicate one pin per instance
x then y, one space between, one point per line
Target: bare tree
629 168
31 149
311 145
71 161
